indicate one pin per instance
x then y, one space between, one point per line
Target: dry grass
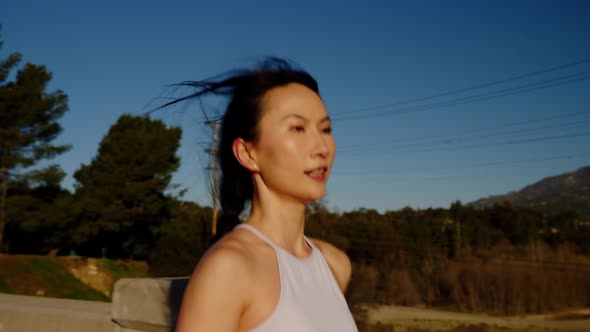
398 318
42 276
65 277
510 288
533 279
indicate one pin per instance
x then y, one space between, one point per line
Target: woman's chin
315 196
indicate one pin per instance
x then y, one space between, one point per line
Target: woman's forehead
293 101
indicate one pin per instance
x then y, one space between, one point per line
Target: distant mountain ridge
569 191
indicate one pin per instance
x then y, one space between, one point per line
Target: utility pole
455 209
3 198
214 168
458 243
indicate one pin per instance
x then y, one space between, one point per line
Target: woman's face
294 149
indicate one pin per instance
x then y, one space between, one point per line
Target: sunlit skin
236 286
294 138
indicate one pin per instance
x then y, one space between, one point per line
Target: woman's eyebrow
299 116
294 115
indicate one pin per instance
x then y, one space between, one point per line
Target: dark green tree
35 211
28 124
181 241
121 195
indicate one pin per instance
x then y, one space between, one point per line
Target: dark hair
246 89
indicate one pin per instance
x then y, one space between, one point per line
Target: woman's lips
318 173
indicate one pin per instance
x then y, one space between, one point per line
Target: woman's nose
321 145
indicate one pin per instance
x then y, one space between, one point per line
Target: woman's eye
298 129
327 130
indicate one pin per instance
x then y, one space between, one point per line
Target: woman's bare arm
216 294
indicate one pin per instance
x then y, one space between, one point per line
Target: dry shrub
535 278
461 285
417 329
514 288
401 289
460 328
363 287
472 328
565 253
569 254
378 327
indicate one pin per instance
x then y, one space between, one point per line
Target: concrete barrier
19 313
147 304
139 305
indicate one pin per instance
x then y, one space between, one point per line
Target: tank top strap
310 244
259 234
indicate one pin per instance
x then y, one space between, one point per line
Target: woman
276 152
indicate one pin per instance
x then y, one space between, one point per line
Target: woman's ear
242 151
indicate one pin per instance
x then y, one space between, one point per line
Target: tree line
501 259
121 205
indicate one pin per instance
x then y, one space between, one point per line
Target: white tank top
310 299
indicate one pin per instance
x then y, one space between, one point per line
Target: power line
510 142
474 87
457 138
478 129
476 165
568 79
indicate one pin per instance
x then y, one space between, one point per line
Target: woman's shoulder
220 286
338 262
228 257
213 289
233 252
236 252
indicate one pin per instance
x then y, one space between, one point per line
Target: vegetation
119 269
499 258
28 125
120 198
43 276
181 241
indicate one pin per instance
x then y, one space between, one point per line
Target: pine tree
28 123
121 193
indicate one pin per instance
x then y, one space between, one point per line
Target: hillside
86 278
570 191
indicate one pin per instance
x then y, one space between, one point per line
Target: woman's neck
282 220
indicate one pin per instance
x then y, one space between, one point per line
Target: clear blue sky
415 121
